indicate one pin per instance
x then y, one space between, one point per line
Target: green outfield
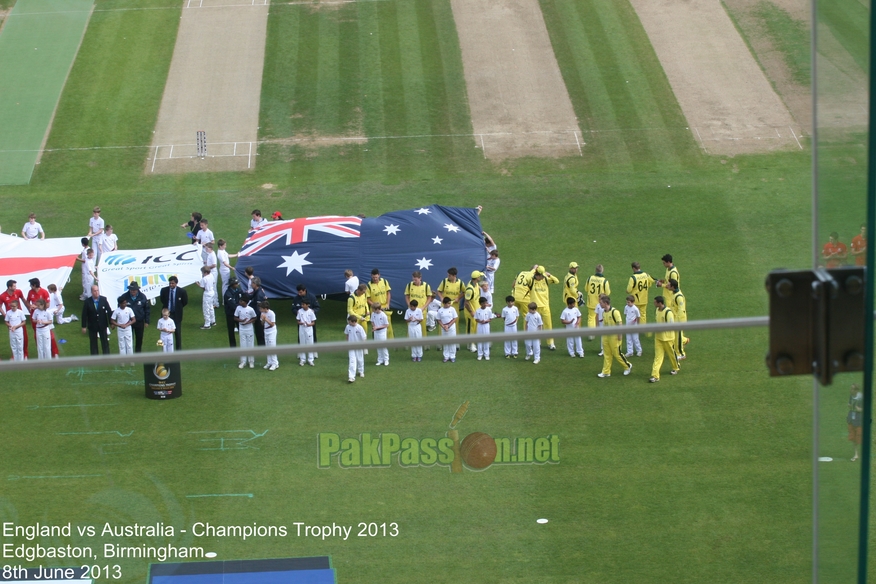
705 476
37 47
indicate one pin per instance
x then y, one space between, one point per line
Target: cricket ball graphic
161 371
478 450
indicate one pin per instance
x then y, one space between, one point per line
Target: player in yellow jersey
358 305
671 271
522 287
594 287
570 284
640 283
472 296
664 343
678 305
380 292
611 343
540 294
419 291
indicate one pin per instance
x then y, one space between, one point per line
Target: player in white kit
15 322
269 322
43 323
166 326
571 317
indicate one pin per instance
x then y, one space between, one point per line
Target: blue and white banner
149 267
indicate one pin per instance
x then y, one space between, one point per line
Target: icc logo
119 259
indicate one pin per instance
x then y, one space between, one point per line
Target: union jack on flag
315 251
297 230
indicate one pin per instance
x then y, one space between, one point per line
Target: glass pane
842 60
704 476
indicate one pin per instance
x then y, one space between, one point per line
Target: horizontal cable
215 354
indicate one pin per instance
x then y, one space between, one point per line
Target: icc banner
149 267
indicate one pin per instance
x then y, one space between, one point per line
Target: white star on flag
437 240
424 264
451 227
423 211
295 263
391 229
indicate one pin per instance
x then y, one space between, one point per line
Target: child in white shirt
510 314
56 306
109 241
355 334
483 316
379 324
269 321
89 270
351 284
432 314
15 320
534 322
447 317
122 318
208 283
632 315
87 279
96 230
42 321
166 326
414 318
490 270
306 318
244 315
571 317
224 259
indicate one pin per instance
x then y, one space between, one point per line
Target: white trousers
207 308
271 341
357 363
44 343
246 340
126 344
415 331
382 354
305 337
16 343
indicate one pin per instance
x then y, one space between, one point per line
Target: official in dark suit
140 305
258 295
96 314
174 299
230 300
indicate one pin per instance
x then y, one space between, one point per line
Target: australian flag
315 251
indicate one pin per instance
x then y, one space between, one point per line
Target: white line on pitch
578 143
795 137
484 148
249 159
154 158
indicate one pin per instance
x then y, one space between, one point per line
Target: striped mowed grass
674 483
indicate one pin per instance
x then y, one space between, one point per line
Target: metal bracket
816 322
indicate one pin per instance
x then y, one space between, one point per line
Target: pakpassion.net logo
477 451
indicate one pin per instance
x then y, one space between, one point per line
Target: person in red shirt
859 247
35 294
834 252
13 293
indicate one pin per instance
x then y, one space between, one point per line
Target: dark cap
134 285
